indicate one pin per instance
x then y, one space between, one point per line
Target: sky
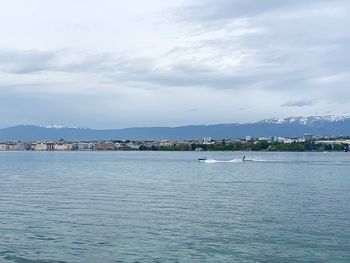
115 64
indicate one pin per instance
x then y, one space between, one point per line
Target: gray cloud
115 69
221 10
299 103
28 61
118 69
31 61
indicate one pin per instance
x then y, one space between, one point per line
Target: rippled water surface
168 207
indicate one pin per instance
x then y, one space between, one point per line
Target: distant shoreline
207 145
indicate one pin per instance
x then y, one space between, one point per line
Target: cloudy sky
114 63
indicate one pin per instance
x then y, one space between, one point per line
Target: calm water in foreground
167 207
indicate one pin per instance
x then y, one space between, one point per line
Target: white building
84 146
263 139
16 146
133 146
62 147
165 143
3 147
40 146
206 140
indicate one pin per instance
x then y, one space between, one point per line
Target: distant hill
289 127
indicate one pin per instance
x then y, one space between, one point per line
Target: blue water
167 207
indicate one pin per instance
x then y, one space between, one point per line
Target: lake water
167 207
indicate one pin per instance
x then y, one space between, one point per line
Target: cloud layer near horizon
111 64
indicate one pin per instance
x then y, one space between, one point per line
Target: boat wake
232 161
222 161
250 160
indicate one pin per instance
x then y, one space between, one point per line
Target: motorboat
202 159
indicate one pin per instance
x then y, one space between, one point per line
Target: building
62 146
16 146
83 146
248 138
3 147
165 143
133 145
40 146
263 139
119 146
308 137
207 140
50 146
104 146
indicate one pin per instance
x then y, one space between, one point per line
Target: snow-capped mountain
302 120
57 126
287 127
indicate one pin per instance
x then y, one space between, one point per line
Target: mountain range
287 127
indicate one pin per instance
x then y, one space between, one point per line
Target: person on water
243 159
